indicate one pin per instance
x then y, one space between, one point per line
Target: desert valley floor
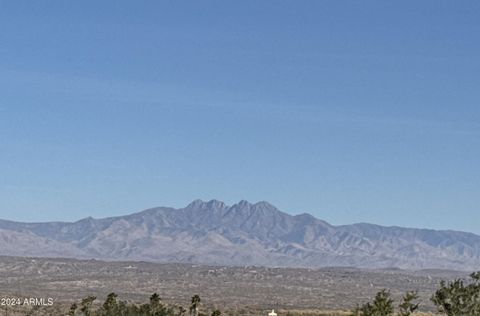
238 289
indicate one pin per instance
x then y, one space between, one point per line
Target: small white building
272 313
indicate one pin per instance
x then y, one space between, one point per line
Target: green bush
382 305
458 298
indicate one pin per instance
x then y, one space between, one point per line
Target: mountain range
241 234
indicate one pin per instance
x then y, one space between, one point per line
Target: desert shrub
382 305
113 307
408 305
86 305
216 313
459 298
194 305
110 306
72 310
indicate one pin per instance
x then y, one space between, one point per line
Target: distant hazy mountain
241 234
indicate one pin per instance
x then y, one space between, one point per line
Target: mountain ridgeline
241 234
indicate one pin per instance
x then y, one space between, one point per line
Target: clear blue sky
354 111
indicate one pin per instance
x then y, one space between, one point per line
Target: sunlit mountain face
241 234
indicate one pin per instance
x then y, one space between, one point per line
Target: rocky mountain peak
244 205
264 206
210 207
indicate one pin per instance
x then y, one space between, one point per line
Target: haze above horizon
353 111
